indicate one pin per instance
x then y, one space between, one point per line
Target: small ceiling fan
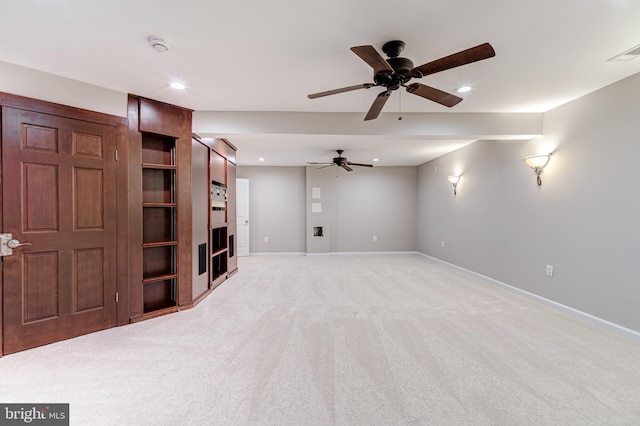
395 72
341 162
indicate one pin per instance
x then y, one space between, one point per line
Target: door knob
15 244
8 243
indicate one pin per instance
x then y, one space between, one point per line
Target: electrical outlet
266 239
549 270
375 238
442 244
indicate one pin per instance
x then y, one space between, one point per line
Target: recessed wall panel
89 201
40 197
85 145
40 286
38 138
89 279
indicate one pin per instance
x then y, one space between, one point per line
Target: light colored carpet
345 340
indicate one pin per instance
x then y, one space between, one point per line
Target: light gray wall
321 178
277 202
378 201
583 220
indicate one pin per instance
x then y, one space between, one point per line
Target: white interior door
242 203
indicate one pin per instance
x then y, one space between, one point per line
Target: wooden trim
222 278
122 225
134 192
155 314
163 119
45 107
185 229
201 297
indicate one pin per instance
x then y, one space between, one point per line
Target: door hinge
116 297
116 155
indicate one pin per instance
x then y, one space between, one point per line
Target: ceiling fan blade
370 55
341 90
474 54
324 167
314 163
347 168
359 164
433 94
377 105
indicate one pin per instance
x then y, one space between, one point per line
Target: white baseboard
336 253
624 331
278 254
371 253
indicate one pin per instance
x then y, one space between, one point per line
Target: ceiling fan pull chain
399 105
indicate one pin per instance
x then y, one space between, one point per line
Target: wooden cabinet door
58 194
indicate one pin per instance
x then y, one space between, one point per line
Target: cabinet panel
200 213
162 119
217 168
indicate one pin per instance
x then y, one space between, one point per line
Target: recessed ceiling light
261 159
376 160
177 86
463 89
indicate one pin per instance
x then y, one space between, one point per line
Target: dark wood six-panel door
59 184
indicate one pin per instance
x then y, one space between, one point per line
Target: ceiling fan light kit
396 72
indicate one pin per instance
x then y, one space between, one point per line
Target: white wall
28 82
583 220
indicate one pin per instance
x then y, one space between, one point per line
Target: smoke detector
158 44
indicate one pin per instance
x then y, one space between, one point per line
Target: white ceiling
262 56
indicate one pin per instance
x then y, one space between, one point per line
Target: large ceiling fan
341 161
395 72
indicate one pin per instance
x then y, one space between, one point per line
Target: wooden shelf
159 278
159 223
158 166
219 252
160 244
167 205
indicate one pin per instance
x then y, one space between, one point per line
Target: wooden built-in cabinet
159 208
181 210
220 209
159 234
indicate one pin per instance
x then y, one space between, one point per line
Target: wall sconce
454 179
538 163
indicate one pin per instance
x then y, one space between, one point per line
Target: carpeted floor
345 340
